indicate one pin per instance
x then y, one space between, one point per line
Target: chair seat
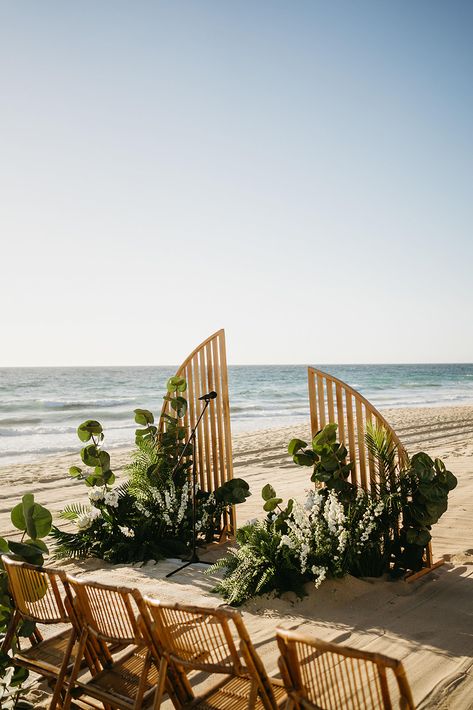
234 695
120 682
46 657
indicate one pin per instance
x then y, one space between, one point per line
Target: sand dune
427 623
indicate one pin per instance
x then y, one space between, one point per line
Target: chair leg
12 626
63 671
158 696
75 670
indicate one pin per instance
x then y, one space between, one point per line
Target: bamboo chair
42 595
190 638
328 676
128 681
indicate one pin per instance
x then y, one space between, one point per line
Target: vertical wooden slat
213 428
331 412
205 429
219 413
321 401
226 412
199 448
340 413
360 435
314 422
371 462
351 435
231 523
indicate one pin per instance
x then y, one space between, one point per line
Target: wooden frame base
425 570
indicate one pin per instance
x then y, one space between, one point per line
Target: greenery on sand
150 515
340 528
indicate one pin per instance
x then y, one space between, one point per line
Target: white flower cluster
322 529
368 523
108 497
172 505
85 519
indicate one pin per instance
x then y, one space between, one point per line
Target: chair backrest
197 638
109 613
205 639
39 593
204 370
333 401
329 676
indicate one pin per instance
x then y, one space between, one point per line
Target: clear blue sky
297 172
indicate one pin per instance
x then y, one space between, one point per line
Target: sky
299 173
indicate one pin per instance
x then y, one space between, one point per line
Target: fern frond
69 545
72 511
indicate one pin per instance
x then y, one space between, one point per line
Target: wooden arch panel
333 401
204 370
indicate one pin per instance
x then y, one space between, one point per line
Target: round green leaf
75 471
89 428
144 417
3 545
296 445
90 455
268 492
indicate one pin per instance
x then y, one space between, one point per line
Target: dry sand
428 624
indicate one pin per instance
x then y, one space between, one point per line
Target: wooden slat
219 412
340 412
360 438
314 422
351 435
331 412
321 401
213 425
205 422
371 461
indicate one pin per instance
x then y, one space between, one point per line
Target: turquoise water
40 408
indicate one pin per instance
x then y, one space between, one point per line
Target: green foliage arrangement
150 515
34 522
416 497
341 528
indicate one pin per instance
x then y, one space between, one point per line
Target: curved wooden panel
205 369
333 401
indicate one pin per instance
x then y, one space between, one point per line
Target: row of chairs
129 652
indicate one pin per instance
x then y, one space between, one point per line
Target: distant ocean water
40 408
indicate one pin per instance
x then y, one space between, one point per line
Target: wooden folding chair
41 595
128 680
328 676
190 638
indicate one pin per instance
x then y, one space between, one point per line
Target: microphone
208 397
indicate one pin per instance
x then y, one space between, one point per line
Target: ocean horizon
41 407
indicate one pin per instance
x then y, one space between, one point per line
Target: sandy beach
427 624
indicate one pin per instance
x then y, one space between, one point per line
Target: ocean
40 408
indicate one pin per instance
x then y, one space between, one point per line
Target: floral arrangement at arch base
149 516
340 528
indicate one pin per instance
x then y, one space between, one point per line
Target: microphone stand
194 556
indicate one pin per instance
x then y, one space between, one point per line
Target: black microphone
208 397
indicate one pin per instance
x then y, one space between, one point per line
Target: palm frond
72 511
69 545
380 445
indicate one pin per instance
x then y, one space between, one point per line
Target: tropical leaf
72 511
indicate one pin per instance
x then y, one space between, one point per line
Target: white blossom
96 494
111 498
